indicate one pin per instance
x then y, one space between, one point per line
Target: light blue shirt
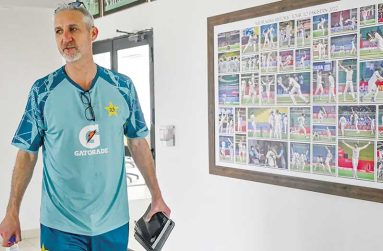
84 181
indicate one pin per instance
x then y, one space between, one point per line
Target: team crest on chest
112 109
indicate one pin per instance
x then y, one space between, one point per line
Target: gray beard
73 58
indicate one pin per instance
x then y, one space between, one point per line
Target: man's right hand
10 226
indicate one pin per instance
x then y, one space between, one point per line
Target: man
372 86
320 49
301 127
293 88
355 156
342 123
285 123
271 36
303 159
319 87
252 42
329 157
278 125
289 30
271 157
267 83
281 156
372 125
266 34
331 91
303 60
321 25
79 114
319 163
377 39
253 122
353 45
349 81
341 21
301 31
328 133
355 117
271 124
321 113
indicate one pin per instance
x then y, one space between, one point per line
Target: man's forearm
144 161
22 174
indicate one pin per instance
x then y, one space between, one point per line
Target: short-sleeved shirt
84 188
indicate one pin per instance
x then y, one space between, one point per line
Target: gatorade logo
89 136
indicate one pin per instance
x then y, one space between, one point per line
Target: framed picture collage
300 93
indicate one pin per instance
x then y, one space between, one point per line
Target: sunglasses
89 112
75 5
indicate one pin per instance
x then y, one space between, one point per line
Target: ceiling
52 4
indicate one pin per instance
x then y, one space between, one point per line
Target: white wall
27 52
215 213
212 213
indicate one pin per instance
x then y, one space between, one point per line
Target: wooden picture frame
94 7
110 6
369 193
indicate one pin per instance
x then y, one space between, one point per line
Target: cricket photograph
240 120
268 123
357 121
303 33
303 60
226 120
379 161
324 82
293 89
320 49
324 133
380 122
250 40
300 123
270 154
249 87
344 46
371 82
287 34
269 38
344 21
226 149
269 62
367 15
250 63
228 41
347 79
267 90
228 89
371 42
286 61
324 159
324 115
240 149
300 157
380 13
356 159
229 62
320 25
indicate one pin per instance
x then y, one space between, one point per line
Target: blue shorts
55 240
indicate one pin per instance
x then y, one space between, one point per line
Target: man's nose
67 36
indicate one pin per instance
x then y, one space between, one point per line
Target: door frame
130 40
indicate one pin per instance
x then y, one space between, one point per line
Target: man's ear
94 33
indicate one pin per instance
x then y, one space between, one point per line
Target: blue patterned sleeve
29 134
135 126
